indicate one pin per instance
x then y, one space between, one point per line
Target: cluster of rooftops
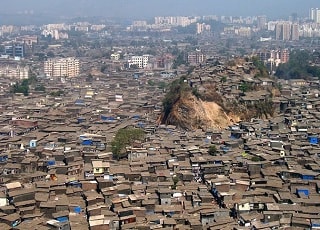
58 172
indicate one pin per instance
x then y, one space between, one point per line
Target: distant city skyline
151 8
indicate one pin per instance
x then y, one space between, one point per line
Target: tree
123 138
223 79
299 66
18 88
89 78
103 68
262 69
41 56
190 69
50 54
212 150
151 82
175 180
40 88
179 60
190 29
134 66
231 63
32 79
256 159
162 85
176 89
21 87
196 93
56 93
242 51
244 87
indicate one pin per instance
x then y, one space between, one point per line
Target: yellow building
100 167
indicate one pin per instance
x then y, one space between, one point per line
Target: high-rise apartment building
295 32
315 15
63 67
286 31
312 14
278 29
202 27
262 22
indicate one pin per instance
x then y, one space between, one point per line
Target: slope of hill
184 107
202 100
190 112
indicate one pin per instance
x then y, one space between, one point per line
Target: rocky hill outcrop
186 108
190 112
216 97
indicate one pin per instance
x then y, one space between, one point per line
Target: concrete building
63 67
14 50
115 56
271 25
272 58
243 31
295 32
14 71
286 31
262 22
27 40
140 24
284 55
202 27
140 61
314 14
278 29
264 56
174 21
196 58
55 34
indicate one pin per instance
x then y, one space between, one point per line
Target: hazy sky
150 8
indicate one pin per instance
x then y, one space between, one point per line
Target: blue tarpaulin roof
62 219
77 209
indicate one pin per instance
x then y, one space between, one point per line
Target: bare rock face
191 113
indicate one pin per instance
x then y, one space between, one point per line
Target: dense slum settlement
57 170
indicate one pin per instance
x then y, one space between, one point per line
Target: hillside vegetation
191 103
300 65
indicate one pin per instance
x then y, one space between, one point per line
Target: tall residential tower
315 15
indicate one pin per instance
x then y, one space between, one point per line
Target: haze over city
147 8
159 114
